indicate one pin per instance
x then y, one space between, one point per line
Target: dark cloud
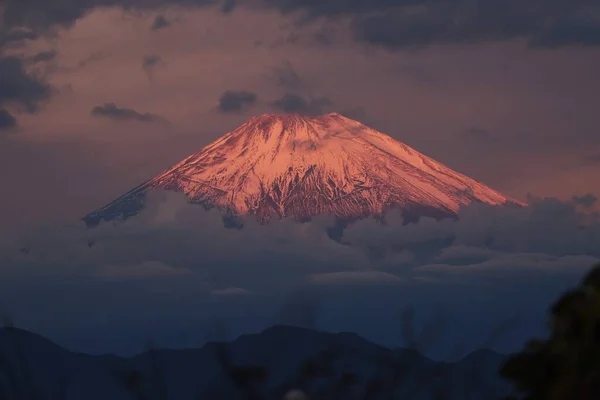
233 101
293 103
111 111
7 120
389 23
42 15
414 23
15 37
149 62
93 57
228 6
543 23
159 23
43 56
19 87
325 36
299 96
583 30
587 200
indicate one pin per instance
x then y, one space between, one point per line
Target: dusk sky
507 97
96 96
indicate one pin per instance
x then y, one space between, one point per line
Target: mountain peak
290 165
297 116
297 126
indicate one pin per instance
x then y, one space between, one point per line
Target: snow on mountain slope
277 166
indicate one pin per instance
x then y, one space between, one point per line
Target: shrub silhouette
566 365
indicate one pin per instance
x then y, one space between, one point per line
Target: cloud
587 200
548 226
228 6
111 111
392 24
355 278
19 88
43 56
7 120
464 254
400 24
149 63
293 103
233 101
144 270
579 29
175 263
286 76
520 263
93 57
16 37
160 22
298 97
230 291
42 16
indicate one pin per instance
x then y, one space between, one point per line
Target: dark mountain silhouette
268 364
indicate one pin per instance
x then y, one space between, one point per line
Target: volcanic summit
278 166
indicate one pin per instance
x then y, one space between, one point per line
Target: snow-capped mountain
278 166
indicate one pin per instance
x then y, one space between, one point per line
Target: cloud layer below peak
176 264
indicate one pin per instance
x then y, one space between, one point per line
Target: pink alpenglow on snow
279 166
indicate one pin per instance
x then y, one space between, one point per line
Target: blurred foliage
566 365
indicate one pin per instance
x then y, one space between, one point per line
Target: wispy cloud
160 22
234 101
111 111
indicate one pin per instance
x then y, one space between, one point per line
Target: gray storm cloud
394 24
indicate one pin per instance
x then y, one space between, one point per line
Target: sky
97 96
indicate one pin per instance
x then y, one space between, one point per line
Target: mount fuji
280 166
